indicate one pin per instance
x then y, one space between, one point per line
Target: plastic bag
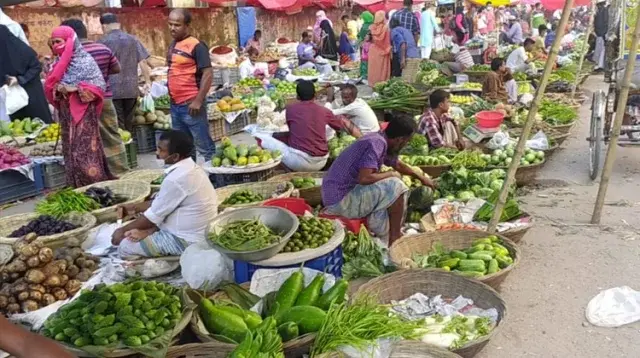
538 141
158 89
16 98
498 141
614 307
147 104
217 268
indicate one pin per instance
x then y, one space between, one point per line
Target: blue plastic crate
15 186
332 262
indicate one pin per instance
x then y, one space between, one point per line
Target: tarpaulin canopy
559 4
388 5
288 6
496 2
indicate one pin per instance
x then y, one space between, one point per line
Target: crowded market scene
323 179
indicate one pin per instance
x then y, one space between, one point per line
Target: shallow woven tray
435 171
401 284
135 191
407 247
559 139
525 175
145 175
406 349
293 348
85 221
564 128
313 196
199 350
266 189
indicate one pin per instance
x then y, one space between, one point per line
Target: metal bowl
280 220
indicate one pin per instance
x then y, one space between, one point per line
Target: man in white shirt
355 109
13 26
518 60
179 214
247 67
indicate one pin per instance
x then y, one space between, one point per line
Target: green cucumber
288 293
308 318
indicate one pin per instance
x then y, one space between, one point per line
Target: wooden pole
585 48
617 123
533 110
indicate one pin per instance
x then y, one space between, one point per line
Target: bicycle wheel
595 133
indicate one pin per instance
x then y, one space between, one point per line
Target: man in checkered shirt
407 19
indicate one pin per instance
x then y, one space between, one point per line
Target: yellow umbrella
495 3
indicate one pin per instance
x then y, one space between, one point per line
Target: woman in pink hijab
75 87
317 31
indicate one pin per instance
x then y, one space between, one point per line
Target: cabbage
496 184
466 195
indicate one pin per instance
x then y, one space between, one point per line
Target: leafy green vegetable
362 256
65 201
555 113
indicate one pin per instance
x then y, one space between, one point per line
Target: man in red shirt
189 79
305 147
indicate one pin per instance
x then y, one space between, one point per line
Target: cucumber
480 256
458 254
493 267
311 293
250 318
288 331
470 274
288 293
308 318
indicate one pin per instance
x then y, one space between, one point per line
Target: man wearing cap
124 85
514 34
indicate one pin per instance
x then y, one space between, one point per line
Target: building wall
277 24
211 25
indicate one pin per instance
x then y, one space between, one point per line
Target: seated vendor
247 67
463 61
355 188
518 60
304 147
307 55
179 214
435 123
539 50
497 81
254 42
353 108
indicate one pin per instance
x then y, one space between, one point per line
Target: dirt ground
566 261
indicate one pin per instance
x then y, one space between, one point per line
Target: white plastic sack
147 104
614 307
538 142
98 240
498 141
3 112
203 266
16 98
158 89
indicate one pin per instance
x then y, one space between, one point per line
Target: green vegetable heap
244 196
162 102
555 113
464 328
241 155
469 159
479 67
65 201
339 143
305 72
245 235
441 81
362 256
250 82
395 87
263 342
504 157
463 184
132 313
303 183
485 256
312 233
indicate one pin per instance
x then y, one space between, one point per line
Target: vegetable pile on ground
362 256
49 134
485 256
428 73
408 180
43 225
285 88
241 155
65 201
463 184
132 313
303 183
104 196
479 68
46 150
520 76
469 159
312 233
395 94
395 87
245 235
244 196
503 157
305 72
10 157
339 143
557 114
36 277
441 81
477 105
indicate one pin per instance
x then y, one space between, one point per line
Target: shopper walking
601 24
380 50
428 30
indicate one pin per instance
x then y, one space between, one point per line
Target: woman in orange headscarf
380 50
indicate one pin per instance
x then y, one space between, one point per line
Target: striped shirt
105 60
464 58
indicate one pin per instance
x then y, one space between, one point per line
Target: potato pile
36 277
46 150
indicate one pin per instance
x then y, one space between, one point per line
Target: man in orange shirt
189 80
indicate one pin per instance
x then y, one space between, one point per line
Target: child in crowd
364 56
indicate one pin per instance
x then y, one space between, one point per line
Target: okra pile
485 256
132 313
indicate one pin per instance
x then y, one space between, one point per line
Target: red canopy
288 6
559 4
377 5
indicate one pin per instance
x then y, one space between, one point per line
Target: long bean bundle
409 103
65 201
245 235
359 325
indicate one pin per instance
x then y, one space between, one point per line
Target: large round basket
435 171
407 247
559 139
293 348
313 196
266 189
407 349
525 175
84 221
551 150
401 284
516 234
199 350
135 191
563 128
145 175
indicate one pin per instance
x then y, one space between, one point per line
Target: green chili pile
65 201
245 235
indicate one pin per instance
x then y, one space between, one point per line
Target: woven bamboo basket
199 350
476 76
563 128
435 171
266 189
313 196
407 247
294 348
401 284
84 221
134 190
406 349
549 152
559 139
145 175
525 175
518 233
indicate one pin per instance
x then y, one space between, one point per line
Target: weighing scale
477 134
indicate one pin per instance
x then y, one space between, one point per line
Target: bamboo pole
511 172
585 47
617 123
